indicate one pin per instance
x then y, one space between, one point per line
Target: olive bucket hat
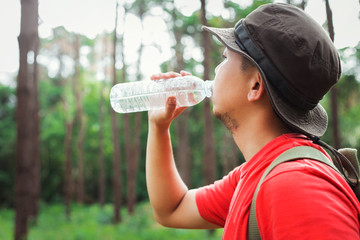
295 57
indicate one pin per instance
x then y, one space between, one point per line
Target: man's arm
173 204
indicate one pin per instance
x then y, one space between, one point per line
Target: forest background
71 157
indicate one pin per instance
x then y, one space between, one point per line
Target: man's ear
257 88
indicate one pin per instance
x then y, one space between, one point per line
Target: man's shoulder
304 180
305 169
300 193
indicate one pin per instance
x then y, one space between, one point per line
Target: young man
278 64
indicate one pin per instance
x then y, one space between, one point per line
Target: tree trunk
101 153
209 156
303 4
102 185
34 210
182 133
68 185
116 159
132 144
27 120
333 91
128 159
80 143
229 153
81 120
183 151
69 126
117 169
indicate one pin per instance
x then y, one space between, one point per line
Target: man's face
230 89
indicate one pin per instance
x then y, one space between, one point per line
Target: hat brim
312 122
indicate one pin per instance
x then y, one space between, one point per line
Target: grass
93 223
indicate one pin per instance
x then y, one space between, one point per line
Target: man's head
294 56
234 80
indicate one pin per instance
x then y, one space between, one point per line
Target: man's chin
229 122
218 115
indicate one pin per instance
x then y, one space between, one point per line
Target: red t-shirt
301 199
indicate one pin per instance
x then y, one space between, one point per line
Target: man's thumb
170 105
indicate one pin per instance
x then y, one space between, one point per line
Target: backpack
349 170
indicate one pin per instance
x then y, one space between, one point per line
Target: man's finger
184 73
170 106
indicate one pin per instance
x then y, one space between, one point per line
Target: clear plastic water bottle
151 95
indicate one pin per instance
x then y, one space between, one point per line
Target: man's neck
258 132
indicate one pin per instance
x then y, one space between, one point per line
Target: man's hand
163 118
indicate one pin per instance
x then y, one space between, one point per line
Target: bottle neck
208 87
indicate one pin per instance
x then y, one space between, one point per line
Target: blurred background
70 167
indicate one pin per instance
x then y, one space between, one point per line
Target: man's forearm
165 186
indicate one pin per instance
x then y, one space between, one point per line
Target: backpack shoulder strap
294 153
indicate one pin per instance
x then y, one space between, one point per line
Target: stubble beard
230 123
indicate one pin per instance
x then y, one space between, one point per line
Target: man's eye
223 56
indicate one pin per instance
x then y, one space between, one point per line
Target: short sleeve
213 201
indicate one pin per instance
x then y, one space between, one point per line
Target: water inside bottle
154 101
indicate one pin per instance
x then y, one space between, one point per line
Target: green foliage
7 224
348 93
56 89
58 105
349 110
94 223
243 12
7 144
52 138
